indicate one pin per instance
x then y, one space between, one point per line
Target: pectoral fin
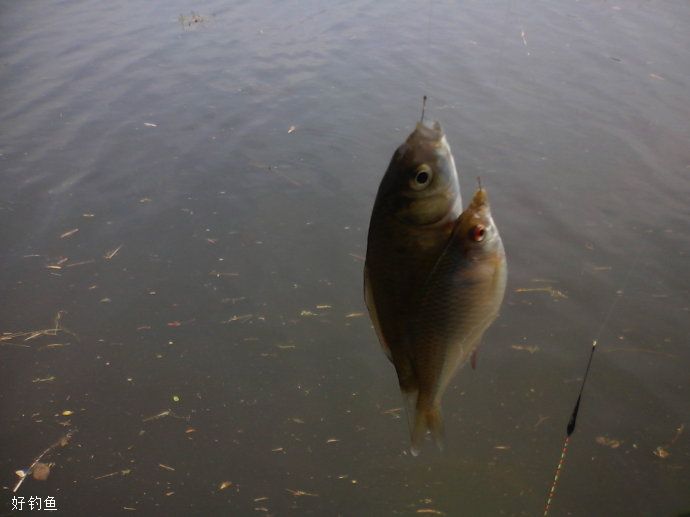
371 305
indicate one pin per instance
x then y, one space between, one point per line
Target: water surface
232 298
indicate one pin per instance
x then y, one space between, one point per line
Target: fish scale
462 298
434 277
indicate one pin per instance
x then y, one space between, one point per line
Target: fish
421 272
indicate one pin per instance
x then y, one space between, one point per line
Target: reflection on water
208 260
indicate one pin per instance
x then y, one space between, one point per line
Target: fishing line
573 417
428 54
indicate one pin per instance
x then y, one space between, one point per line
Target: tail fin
410 402
427 418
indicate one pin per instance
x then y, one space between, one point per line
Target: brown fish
414 247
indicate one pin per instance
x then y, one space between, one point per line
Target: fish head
477 230
421 185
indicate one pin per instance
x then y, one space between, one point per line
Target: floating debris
15 344
555 293
44 379
125 472
307 313
67 412
166 467
81 263
602 268
394 412
300 493
332 440
608 442
156 417
167 412
354 315
191 20
502 447
40 472
243 317
69 233
39 469
224 484
112 253
679 431
661 452
220 274
233 300
527 348
291 129
150 124
430 510
33 334
541 420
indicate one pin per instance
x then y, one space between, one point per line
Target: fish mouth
431 132
479 200
428 142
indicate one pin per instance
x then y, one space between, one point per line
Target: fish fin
473 359
371 306
410 402
427 419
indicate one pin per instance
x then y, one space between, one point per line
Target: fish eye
477 233
422 177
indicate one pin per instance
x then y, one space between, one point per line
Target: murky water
213 314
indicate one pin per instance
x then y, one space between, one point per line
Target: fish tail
427 419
